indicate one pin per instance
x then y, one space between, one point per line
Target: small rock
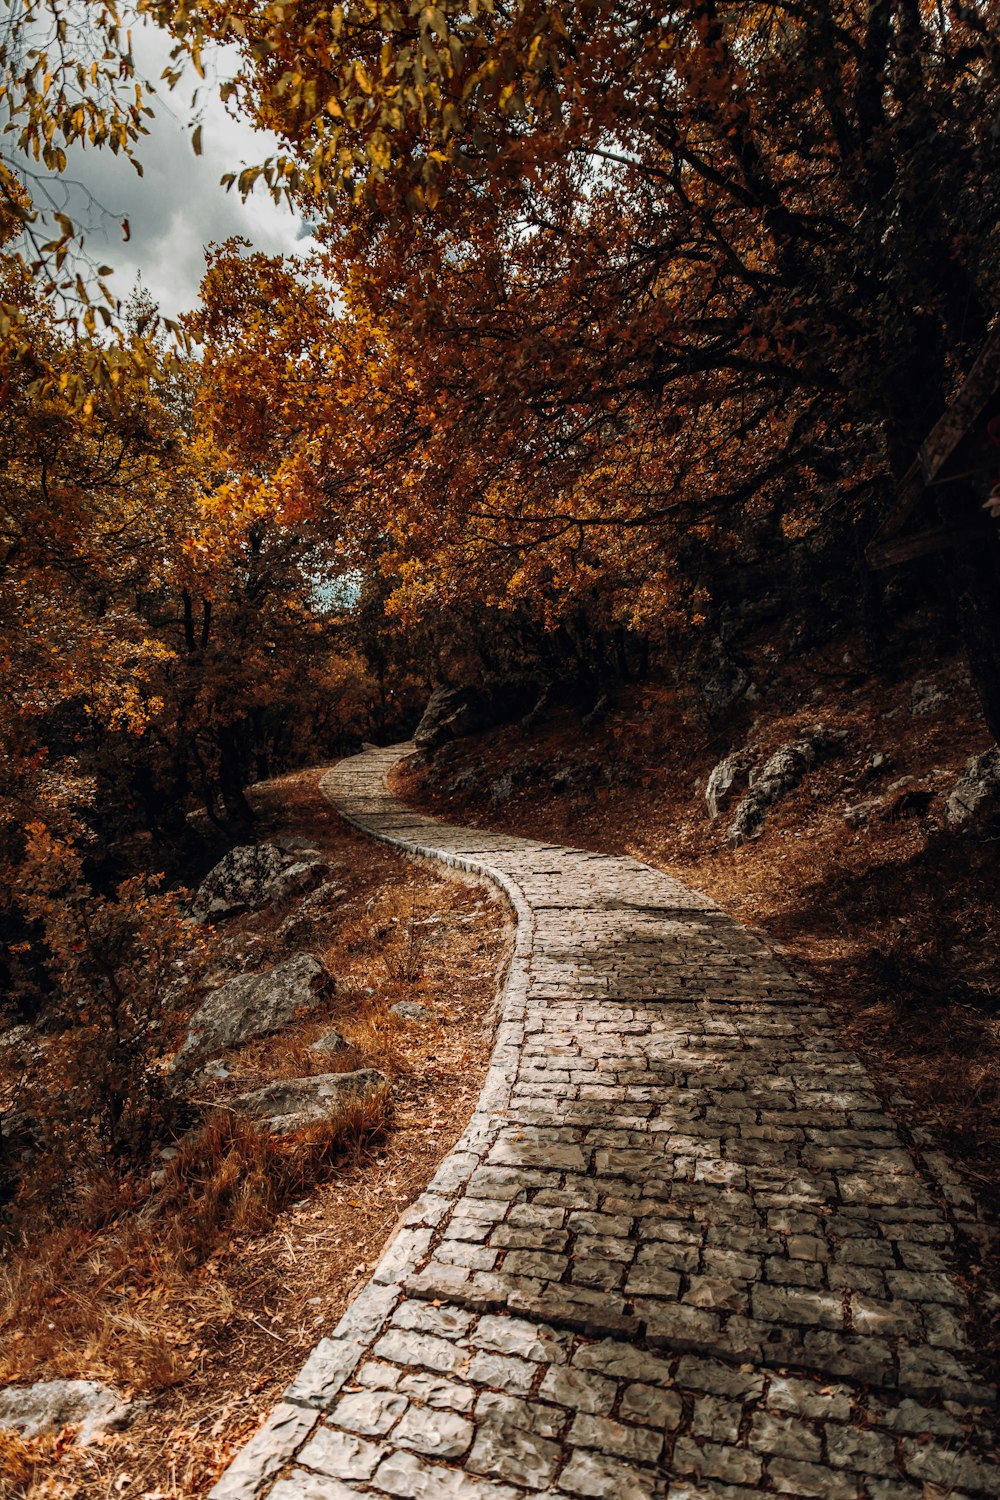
303 924
255 1005
298 879
50 1405
330 1041
862 812
727 777
288 1104
926 697
410 1010
975 797
215 1070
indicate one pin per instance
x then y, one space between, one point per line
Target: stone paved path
681 1249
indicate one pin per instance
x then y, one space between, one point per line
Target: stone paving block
786 1436
717 1461
411 1477
502 1371
680 1248
324 1372
404 1347
641 1444
791 1477
370 1413
303 1486
499 1409
598 1475
431 1390
267 1452
511 1453
341 1455
442 1434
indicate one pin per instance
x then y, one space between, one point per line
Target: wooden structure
962 447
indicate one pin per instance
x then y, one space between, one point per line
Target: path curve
681 1249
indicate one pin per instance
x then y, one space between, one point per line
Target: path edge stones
333 1360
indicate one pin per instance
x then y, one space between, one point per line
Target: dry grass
121 1302
203 1294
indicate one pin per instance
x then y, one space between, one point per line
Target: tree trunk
239 813
975 588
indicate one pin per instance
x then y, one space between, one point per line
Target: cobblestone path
681 1249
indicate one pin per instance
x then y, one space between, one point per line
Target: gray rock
410 1010
255 1005
50 1405
332 1041
455 711
288 1104
310 915
450 713
240 881
778 776
926 697
863 812
729 776
298 879
976 794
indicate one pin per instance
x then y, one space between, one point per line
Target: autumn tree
638 271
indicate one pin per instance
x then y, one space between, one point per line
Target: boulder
975 797
288 1104
779 775
254 1005
450 713
50 1405
455 711
728 777
240 881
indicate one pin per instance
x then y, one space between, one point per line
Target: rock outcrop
455 711
252 876
254 1005
240 881
727 778
779 774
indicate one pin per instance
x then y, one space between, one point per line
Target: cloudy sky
178 206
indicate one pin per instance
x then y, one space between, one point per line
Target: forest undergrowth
198 1290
